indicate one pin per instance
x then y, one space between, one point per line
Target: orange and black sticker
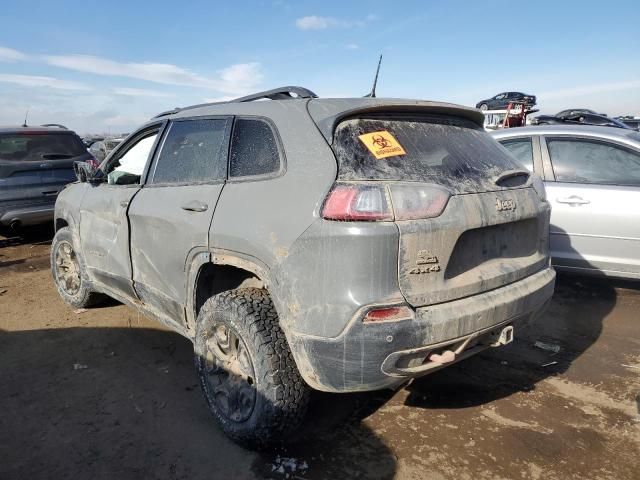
382 144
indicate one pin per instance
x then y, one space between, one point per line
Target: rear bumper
375 356
27 214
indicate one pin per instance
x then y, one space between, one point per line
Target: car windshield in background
449 151
40 146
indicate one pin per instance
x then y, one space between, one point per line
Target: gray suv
35 164
300 243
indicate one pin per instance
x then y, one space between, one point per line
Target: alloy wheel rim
230 374
67 268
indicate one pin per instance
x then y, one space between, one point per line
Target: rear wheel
68 275
246 370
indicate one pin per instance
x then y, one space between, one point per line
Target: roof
35 129
612 133
326 112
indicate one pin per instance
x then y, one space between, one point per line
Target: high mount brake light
367 202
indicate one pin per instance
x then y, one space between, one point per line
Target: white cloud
11 55
38 81
243 76
140 92
236 79
590 89
125 121
353 46
315 22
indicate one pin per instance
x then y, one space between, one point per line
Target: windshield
448 151
40 146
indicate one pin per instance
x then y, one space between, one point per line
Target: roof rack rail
281 93
167 112
54 125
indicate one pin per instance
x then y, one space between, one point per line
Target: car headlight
538 186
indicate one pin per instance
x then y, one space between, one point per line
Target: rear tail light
350 202
538 186
412 202
357 202
388 314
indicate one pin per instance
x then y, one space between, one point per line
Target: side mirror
87 172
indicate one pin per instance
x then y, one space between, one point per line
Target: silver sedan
592 178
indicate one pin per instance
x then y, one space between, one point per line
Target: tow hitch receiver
504 337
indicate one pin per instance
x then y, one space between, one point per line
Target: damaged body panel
390 237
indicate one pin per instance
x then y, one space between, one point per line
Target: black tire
484 106
259 405
75 291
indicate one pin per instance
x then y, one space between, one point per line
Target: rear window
38 147
254 149
449 151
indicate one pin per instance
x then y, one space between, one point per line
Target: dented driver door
104 229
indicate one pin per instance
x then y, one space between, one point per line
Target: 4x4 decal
426 263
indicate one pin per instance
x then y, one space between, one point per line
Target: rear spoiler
327 113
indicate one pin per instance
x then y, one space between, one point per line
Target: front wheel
246 370
484 106
68 276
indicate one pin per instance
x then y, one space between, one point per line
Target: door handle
195 206
124 203
573 200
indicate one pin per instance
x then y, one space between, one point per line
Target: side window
254 149
521 149
193 151
588 161
501 96
127 167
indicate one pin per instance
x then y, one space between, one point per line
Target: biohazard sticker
382 144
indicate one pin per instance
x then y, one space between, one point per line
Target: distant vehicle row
579 116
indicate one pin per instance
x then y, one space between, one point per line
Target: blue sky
101 67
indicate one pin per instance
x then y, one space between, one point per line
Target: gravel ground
107 393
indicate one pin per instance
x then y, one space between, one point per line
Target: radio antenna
25 117
372 94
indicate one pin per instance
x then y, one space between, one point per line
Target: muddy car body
362 264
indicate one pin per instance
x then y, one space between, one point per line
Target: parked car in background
592 178
572 112
35 164
502 100
578 117
90 140
344 245
102 148
630 121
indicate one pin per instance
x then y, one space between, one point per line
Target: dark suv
301 243
35 164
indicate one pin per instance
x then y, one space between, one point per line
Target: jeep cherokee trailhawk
301 243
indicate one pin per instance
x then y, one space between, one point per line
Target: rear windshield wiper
56 156
512 178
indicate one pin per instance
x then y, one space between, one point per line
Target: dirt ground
107 393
